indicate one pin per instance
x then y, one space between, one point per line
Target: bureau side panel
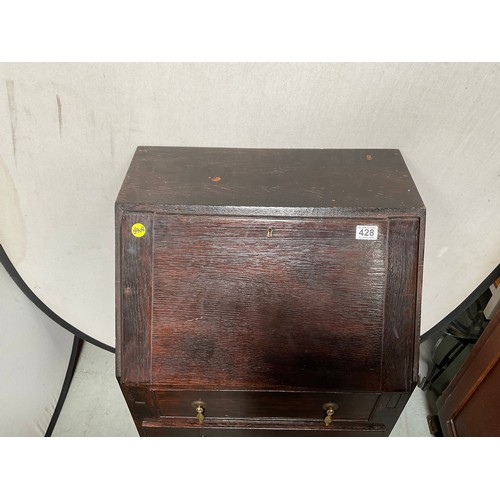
400 305
136 298
418 302
118 294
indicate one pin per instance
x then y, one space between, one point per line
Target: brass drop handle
330 410
200 408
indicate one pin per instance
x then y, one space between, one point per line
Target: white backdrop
34 356
68 133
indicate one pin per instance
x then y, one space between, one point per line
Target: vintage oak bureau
267 291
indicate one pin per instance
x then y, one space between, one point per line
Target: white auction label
366 232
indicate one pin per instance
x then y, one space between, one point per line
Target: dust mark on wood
12 114
395 332
59 114
194 319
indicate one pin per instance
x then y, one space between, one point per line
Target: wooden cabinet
260 292
470 405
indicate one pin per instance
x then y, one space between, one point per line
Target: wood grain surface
235 308
398 370
135 296
470 405
270 178
260 404
254 427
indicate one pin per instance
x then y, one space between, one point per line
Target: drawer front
266 304
178 426
256 405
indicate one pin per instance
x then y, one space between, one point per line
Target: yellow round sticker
138 230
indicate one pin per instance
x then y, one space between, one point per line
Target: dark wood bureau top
176 179
267 291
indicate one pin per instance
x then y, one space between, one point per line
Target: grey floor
95 406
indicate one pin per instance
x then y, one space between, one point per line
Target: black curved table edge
70 371
11 270
78 339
